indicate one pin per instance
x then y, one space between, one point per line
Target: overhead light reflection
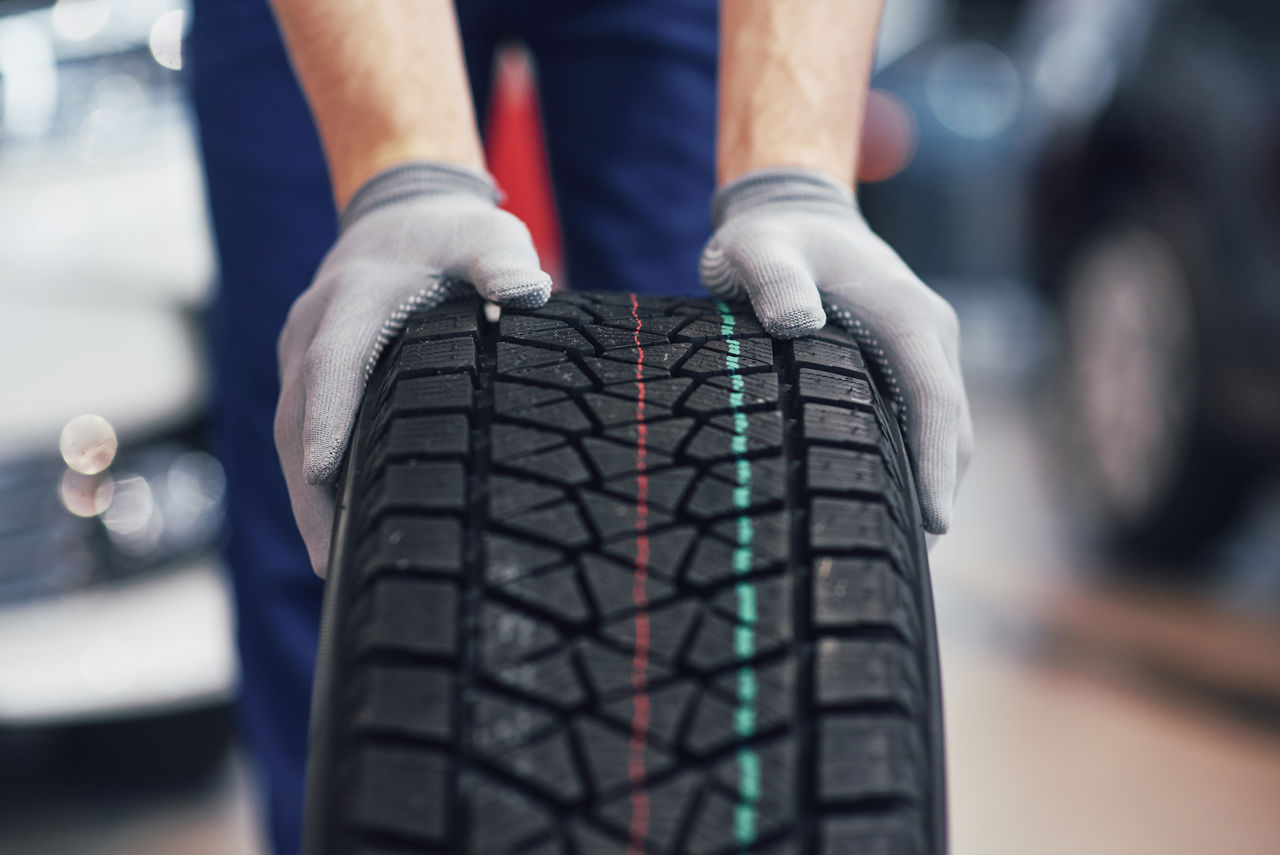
132 519
166 38
85 495
88 444
973 89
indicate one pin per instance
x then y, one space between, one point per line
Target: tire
619 540
1154 473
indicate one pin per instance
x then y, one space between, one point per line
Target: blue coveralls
627 89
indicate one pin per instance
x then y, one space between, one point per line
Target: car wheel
1151 472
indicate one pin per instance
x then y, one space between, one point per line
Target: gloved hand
794 241
411 237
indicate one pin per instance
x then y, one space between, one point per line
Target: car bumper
155 644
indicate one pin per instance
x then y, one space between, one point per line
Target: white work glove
794 242
411 237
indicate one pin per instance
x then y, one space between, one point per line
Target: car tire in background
1155 471
625 575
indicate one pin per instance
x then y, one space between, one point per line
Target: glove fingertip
520 288
795 322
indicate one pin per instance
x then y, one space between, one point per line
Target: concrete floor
1062 736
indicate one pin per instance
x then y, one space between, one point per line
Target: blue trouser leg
628 92
273 218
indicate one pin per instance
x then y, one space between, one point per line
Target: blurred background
1094 184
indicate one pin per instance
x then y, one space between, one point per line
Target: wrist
789 187
353 170
418 178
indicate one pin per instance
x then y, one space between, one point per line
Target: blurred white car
113 606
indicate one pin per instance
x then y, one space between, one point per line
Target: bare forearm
793 83
386 83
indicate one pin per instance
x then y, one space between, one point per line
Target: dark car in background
1123 159
1156 235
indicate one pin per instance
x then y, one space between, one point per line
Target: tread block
617 459
563 375
826 423
612 587
508 495
666 487
405 700
772 769
608 372
897 833
828 387
400 791
563 465
499 723
443 393
432 544
512 441
770 541
514 325
521 819
416 486
669 802
555 592
440 356
667 549
772 603
662 392
443 322
869 756
508 559
830 356
854 524
561 339
849 594
609 669
615 337
668 627
552 679
417 616
606 753
509 635
564 416
613 517
443 435
508 397
850 672
561 523
713 827
716 644
547 765
664 436
668 705
845 469
512 357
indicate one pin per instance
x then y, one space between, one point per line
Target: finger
313 505
502 264
780 284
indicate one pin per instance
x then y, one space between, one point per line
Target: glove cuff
418 178
791 187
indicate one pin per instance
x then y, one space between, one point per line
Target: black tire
480 685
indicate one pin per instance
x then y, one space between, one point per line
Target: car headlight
152 504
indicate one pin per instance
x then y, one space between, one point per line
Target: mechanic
628 90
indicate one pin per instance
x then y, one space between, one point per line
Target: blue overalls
627 90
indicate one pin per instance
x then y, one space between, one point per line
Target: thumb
503 266
775 276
